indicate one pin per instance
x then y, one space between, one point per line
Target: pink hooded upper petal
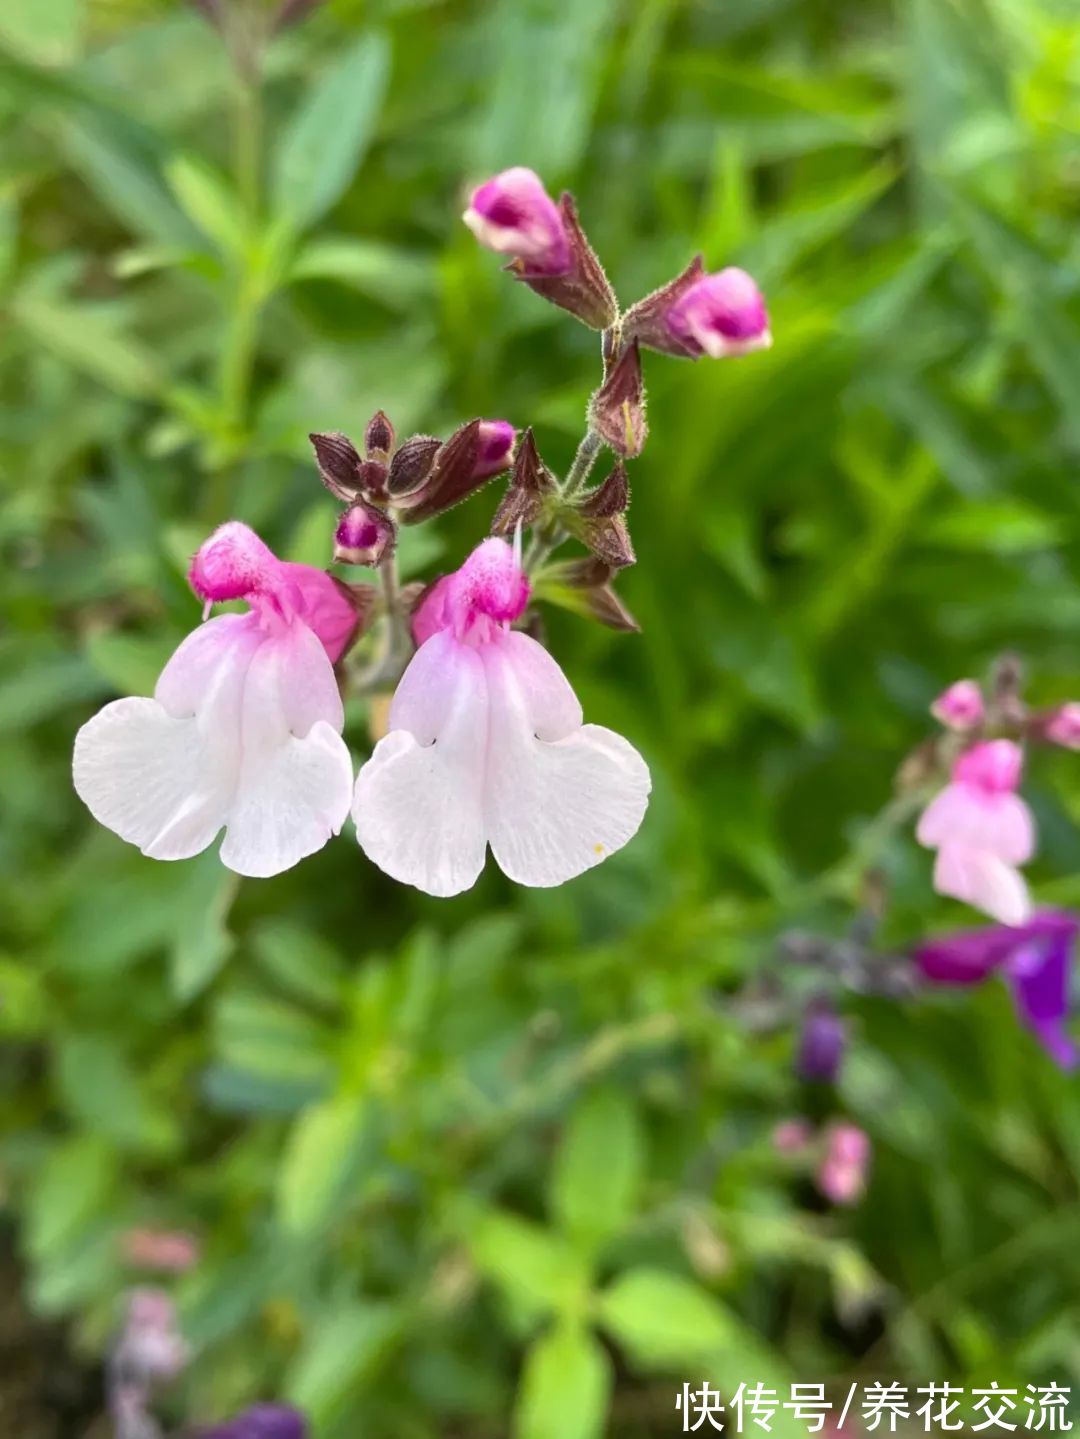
243 732
490 589
487 747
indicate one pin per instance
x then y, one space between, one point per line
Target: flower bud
584 586
530 485
495 444
378 437
340 465
599 520
363 535
701 314
1061 725
469 458
960 707
617 409
822 1044
514 215
412 464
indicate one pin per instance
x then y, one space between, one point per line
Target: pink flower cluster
841 1156
979 826
487 745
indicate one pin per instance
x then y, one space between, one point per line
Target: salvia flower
244 729
960 707
1035 959
822 1044
263 1421
842 1173
720 315
982 830
514 215
487 747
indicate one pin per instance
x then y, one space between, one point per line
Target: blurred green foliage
503 1162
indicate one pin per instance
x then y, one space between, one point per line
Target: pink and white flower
513 214
487 747
244 729
720 315
982 830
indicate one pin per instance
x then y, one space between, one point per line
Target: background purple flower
264 1421
1035 959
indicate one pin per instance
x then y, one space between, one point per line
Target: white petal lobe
553 807
419 799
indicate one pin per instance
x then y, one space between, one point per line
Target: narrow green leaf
319 1159
326 140
207 199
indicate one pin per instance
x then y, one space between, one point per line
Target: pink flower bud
495 442
1062 726
791 1136
170 1251
993 766
363 535
720 315
960 707
513 214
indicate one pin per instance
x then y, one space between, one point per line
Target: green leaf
664 1319
400 279
130 663
327 138
542 90
300 961
565 1387
319 1160
536 1268
72 1186
203 942
207 199
41 686
87 338
100 1089
343 1353
598 1168
120 166
46 31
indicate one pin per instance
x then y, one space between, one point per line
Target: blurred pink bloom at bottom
842 1174
792 1135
